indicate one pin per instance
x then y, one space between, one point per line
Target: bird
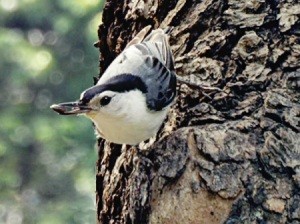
132 98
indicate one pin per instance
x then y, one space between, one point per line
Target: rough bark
229 156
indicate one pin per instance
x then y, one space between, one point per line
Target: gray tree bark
229 156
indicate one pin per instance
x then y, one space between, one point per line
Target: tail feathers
156 43
139 37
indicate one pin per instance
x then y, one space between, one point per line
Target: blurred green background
47 161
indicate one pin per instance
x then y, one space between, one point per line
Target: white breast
132 122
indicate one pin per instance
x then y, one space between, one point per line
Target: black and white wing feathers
158 70
160 82
150 59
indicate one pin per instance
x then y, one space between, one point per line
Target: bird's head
92 102
109 99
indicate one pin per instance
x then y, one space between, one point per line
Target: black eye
105 100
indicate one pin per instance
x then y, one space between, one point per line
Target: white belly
127 119
132 130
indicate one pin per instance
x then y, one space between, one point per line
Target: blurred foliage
47 162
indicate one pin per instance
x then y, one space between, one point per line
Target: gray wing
157 69
160 82
150 59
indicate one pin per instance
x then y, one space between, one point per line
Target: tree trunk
223 156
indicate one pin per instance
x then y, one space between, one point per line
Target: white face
105 103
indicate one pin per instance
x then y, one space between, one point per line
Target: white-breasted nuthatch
132 98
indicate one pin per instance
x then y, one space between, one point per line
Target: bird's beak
70 108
